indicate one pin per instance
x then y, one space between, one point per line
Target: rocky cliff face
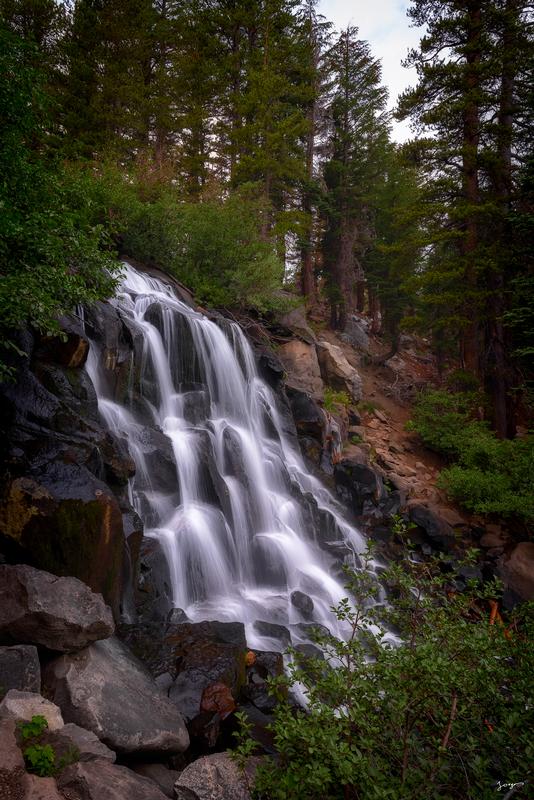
63 505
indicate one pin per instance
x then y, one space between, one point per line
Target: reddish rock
219 699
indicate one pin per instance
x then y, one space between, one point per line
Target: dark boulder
59 613
265 665
309 418
434 527
154 596
19 668
206 653
302 603
69 349
105 689
270 630
66 521
357 484
189 658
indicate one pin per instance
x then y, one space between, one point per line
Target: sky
384 24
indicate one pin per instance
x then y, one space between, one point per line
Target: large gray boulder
101 780
216 777
20 669
105 689
25 705
62 614
337 372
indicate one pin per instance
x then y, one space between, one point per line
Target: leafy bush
40 759
333 398
36 727
214 247
444 715
490 475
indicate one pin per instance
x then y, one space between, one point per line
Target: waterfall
242 523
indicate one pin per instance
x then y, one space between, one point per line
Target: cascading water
242 523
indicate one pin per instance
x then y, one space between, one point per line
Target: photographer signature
512 788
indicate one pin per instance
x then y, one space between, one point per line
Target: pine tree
469 66
357 137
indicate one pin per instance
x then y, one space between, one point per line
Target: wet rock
70 349
86 744
272 631
216 777
266 665
191 662
308 651
105 689
161 775
437 529
337 372
302 367
311 630
357 484
24 705
206 653
303 603
96 780
59 613
19 669
154 597
518 570
68 522
309 418
115 342
270 366
177 616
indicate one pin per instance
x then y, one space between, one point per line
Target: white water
241 540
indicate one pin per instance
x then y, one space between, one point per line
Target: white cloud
384 24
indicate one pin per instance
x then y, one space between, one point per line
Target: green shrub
488 475
40 759
333 398
214 247
443 716
36 727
